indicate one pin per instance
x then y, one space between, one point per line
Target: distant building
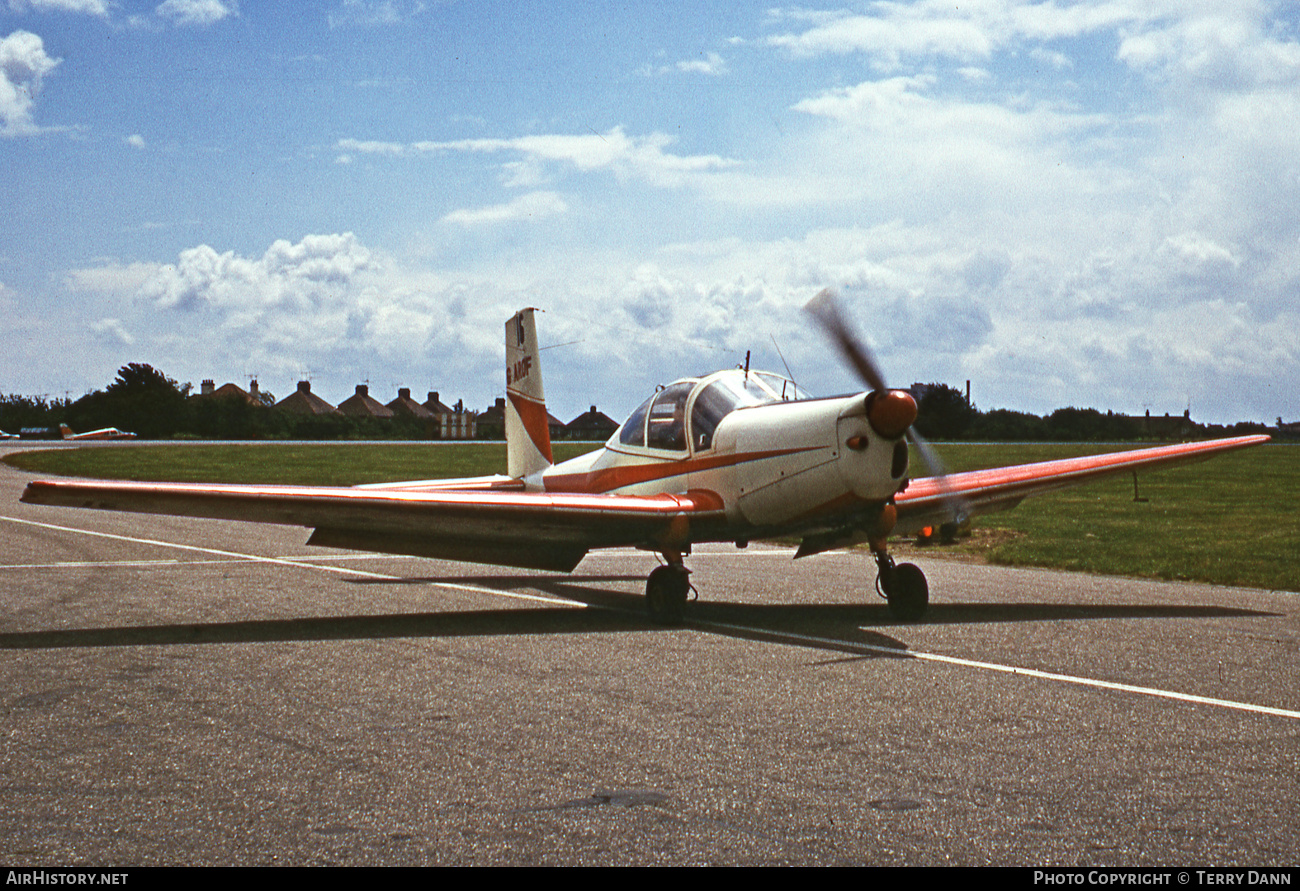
492 422
362 405
452 423
1167 427
591 424
208 390
304 402
405 405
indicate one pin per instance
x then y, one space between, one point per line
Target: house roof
362 405
304 402
405 405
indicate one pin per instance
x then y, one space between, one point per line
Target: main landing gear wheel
906 590
665 594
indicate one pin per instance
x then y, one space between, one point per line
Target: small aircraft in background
733 456
102 433
4 435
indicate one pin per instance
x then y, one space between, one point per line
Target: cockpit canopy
661 421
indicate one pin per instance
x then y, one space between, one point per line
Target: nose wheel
666 591
904 587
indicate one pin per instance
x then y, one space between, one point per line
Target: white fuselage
782 464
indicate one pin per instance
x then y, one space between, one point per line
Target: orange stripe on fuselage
533 414
607 479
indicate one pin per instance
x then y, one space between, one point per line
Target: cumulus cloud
641 157
963 32
23 63
314 274
111 331
373 13
196 13
88 7
1220 46
327 304
110 277
533 206
135 140
711 64
1125 233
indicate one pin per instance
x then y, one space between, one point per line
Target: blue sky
1092 204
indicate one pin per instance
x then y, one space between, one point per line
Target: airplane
102 433
4 435
732 456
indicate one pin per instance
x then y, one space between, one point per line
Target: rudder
528 434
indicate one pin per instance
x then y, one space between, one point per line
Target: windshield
728 391
660 421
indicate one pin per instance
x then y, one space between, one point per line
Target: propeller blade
825 308
954 502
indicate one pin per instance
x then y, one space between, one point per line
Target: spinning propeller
891 413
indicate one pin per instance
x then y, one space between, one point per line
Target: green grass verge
313 464
1231 520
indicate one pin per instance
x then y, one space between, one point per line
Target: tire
665 595
908 593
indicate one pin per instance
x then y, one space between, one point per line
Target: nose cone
890 412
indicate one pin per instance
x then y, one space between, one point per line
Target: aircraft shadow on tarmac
833 627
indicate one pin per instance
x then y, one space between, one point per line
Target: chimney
404 394
304 386
207 387
252 387
593 409
363 390
433 396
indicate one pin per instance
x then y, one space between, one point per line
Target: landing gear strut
904 587
666 591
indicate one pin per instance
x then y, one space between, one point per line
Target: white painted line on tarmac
782 635
1007 669
1110 685
279 561
73 564
201 550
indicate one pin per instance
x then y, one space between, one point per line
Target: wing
492 521
927 502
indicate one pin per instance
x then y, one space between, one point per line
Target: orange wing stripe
609 478
1025 479
80 494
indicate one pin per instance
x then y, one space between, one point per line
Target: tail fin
528 437
65 431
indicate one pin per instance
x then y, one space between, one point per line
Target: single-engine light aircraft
733 456
102 433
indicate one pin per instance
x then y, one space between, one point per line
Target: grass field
1232 520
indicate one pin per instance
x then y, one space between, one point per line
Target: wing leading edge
508 528
927 501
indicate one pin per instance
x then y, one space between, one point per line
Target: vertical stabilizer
528 437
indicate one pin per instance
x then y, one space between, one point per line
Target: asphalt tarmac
181 691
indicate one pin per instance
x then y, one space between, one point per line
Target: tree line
944 413
146 402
